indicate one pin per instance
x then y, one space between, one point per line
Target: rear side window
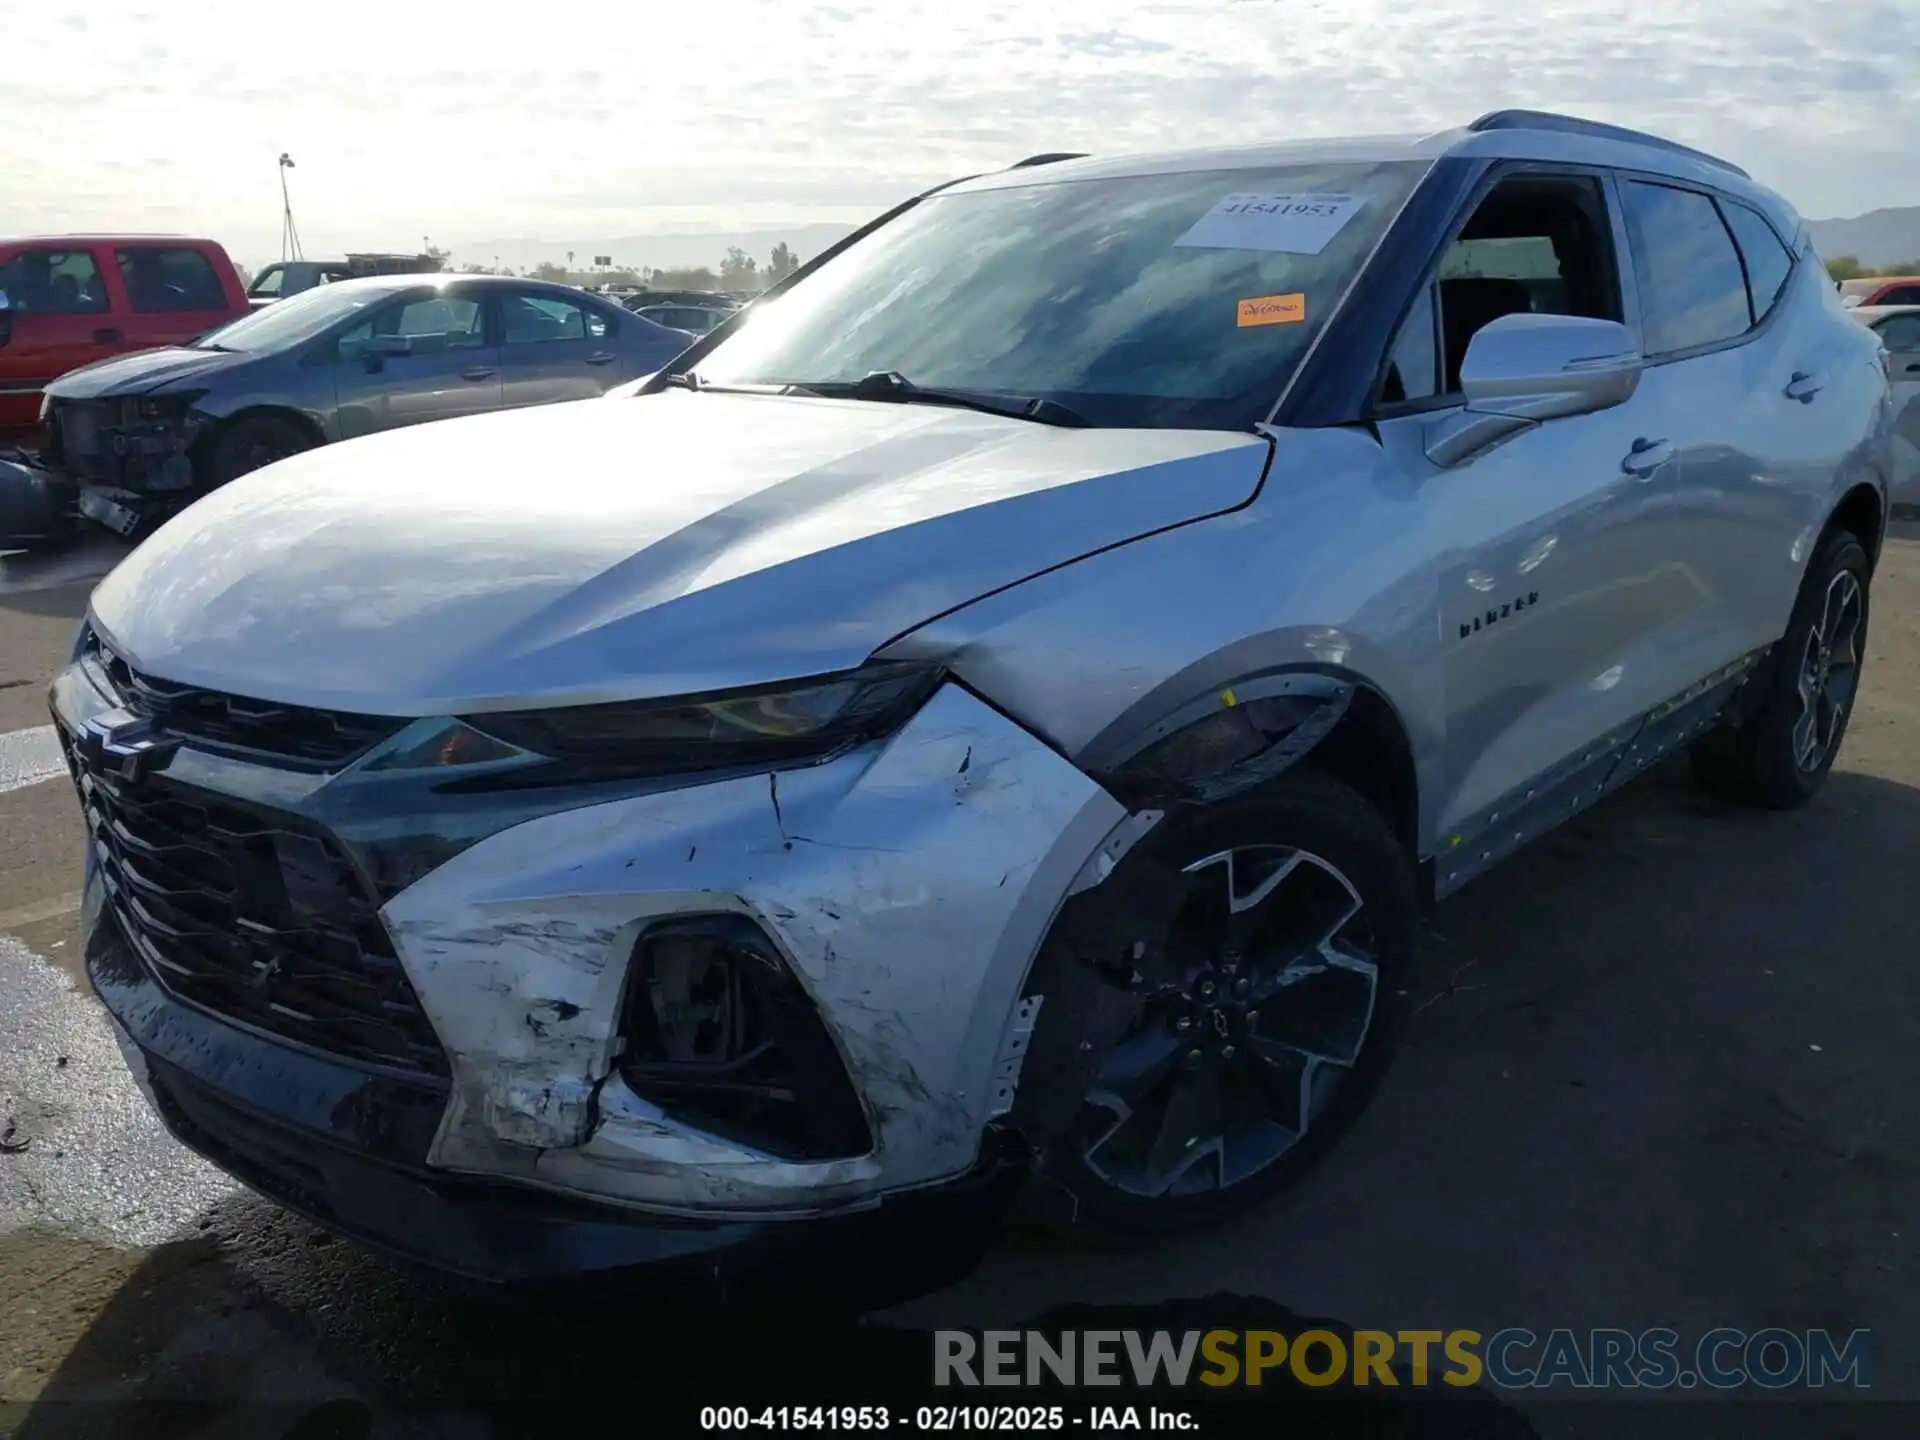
1693 290
1767 259
1900 295
540 320
160 279
53 282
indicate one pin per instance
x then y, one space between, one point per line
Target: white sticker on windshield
1296 224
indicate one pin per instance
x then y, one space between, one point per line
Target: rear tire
247 445
1263 1037
1779 754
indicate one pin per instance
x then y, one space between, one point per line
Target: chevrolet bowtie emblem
125 744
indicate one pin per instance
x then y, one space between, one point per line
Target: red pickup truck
68 300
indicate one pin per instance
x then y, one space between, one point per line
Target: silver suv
998 709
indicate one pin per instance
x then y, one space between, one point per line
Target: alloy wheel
1829 672
1264 1004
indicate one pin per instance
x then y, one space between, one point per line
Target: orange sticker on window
1273 310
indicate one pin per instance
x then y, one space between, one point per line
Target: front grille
253 917
321 739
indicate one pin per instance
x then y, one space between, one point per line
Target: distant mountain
1877 239
669 250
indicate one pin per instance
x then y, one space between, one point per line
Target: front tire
1779 754
1271 1018
248 445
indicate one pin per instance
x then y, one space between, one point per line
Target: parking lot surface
1660 1073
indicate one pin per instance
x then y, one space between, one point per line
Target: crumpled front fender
908 885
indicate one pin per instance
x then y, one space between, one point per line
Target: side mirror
375 353
1523 369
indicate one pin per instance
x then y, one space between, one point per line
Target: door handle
477 372
1805 384
602 357
107 336
1646 457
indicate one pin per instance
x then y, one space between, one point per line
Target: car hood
141 373
590 552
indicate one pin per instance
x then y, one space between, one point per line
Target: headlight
796 720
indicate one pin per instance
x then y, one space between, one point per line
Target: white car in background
1898 327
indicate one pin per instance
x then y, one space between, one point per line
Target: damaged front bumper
129 461
512 1124
348 1150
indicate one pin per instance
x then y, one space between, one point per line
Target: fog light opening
717 1031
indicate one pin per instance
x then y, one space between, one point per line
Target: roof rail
1573 125
1049 158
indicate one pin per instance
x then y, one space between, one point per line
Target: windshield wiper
892 385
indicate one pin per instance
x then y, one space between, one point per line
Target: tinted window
540 319
1178 299
1767 259
1692 289
433 323
160 279
1899 333
1900 295
53 282
268 282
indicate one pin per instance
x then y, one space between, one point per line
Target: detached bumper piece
37 505
346 1149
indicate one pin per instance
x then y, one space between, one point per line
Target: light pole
289 236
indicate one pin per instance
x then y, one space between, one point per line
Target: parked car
284 278
1878 290
135 439
70 300
1898 327
695 319
709 299
1002 714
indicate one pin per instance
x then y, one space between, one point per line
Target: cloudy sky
474 122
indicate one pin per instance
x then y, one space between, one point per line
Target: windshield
1153 300
291 321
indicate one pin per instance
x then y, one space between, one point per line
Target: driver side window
1537 244
432 322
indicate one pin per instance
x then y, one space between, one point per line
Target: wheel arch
208 439
1244 736
1862 512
